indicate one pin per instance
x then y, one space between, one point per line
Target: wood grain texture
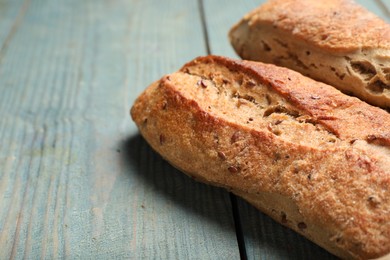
220 16
263 238
76 179
11 16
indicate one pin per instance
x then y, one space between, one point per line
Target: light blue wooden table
76 179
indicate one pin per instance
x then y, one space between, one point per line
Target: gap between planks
233 198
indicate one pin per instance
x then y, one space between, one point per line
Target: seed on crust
233 169
222 155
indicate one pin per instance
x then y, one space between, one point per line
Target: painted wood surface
384 8
76 179
378 7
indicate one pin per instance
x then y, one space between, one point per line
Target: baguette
312 158
334 41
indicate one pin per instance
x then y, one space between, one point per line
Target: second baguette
334 41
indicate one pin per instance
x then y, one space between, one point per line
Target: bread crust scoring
270 134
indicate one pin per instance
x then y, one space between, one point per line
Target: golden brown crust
344 116
336 42
268 132
333 24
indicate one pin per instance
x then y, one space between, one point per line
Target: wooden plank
377 7
76 180
220 17
384 6
266 239
263 237
11 16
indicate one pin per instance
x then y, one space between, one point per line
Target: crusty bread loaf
312 158
334 41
